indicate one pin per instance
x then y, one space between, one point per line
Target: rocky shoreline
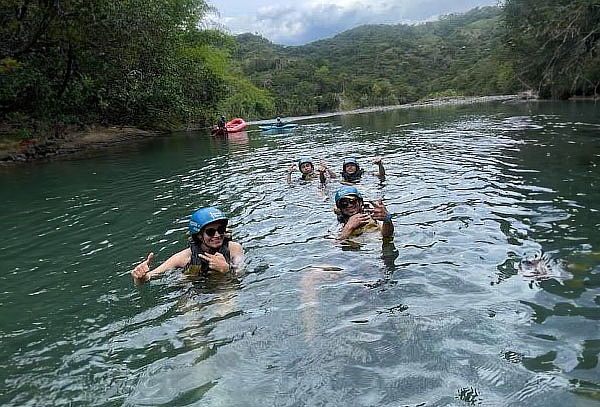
98 137
95 138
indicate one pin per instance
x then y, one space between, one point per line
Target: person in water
307 171
356 216
222 122
351 171
279 123
210 249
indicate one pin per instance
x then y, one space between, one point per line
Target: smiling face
350 205
306 168
212 234
350 168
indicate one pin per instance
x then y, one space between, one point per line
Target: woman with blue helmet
210 249
307 171
351 171
357 217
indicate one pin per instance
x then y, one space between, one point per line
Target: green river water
442 316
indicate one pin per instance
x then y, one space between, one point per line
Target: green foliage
137 62
555 45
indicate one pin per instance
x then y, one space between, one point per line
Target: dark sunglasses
210 232
346 202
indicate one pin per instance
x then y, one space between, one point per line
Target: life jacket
354 177
308 177
373 225
197 265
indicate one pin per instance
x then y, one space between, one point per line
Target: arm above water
380 213
142 273
377 161
236 252
289 171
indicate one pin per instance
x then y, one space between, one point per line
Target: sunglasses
346 202
210 232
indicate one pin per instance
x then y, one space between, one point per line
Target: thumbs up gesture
140 272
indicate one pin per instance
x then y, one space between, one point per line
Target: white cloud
294 23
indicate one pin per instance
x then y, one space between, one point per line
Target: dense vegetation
384 64
148 63
549 46
138 62
555 45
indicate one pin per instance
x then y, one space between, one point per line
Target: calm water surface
442 316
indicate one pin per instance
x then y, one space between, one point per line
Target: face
213 234
306 168
351 168
350 205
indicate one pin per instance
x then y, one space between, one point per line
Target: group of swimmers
211 249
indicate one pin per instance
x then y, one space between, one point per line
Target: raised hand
216 262
379 210
377 160
140 272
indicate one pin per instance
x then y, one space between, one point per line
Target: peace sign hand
216 262
140 272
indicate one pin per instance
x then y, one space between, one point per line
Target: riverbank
93 138
99 137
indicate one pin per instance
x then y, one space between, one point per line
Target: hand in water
379 210
377 160
140 272
216 262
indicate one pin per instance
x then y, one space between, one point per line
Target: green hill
382 64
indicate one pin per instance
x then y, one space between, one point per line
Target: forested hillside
548 46
384 64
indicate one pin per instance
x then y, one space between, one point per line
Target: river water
442 316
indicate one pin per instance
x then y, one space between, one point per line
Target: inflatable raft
235 125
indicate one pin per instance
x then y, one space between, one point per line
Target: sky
296 22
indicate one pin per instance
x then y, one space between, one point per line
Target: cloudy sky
294 22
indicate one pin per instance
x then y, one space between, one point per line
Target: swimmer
307 171
351 171
356 216
210 251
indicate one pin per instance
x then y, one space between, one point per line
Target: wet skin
306 168
351 168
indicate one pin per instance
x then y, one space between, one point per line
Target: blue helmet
203 217
350 161
305 160
345 191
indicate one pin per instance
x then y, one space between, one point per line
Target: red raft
235 125
232 126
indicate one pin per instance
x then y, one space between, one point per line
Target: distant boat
232 126
286 126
